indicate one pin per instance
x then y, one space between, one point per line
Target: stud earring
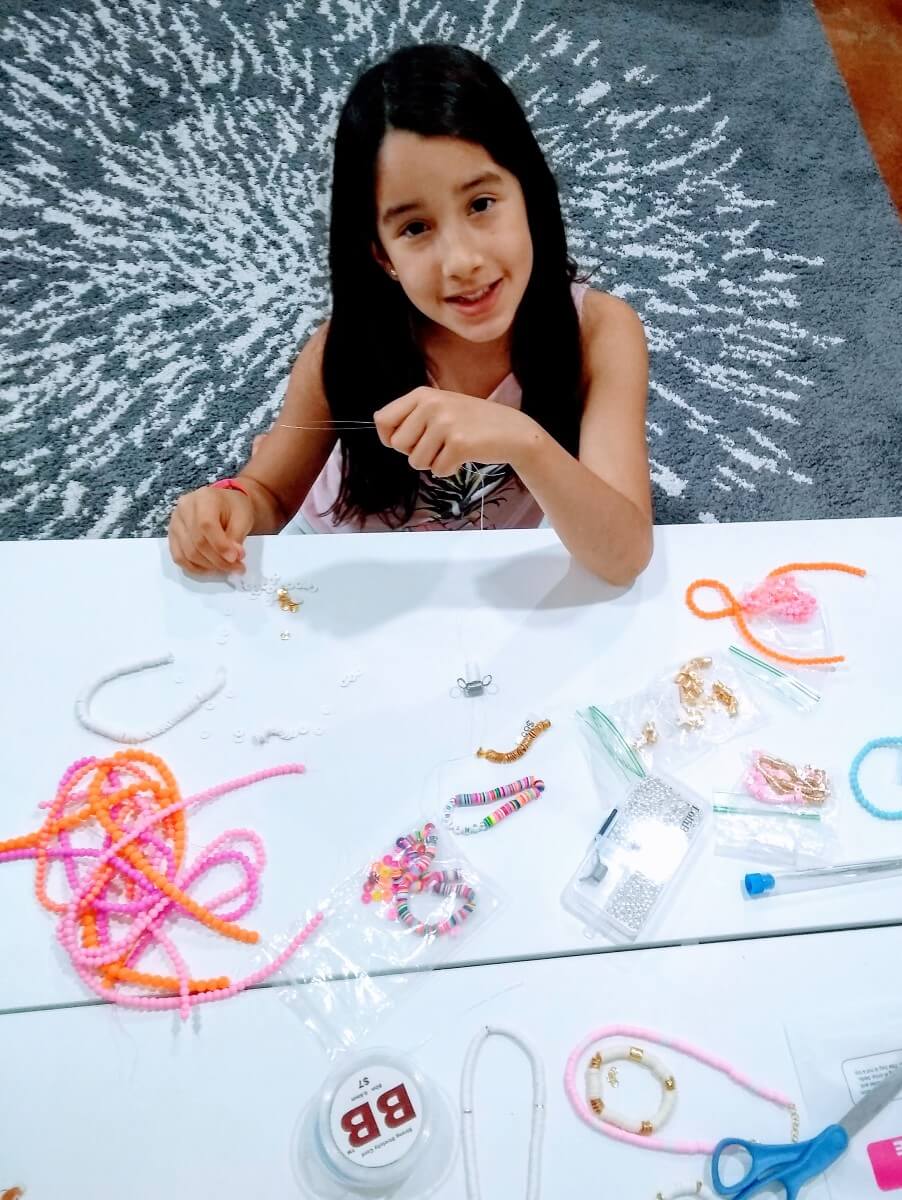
393 273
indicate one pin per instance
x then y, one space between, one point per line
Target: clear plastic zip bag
381 929
780 810
696 705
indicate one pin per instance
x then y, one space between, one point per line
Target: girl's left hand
440 431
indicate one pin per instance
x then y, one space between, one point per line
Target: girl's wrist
268 517
530 447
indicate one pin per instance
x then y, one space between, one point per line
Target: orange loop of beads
733 608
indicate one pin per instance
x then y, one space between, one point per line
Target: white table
409 612
99 1103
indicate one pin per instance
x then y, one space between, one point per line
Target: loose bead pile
138 879
520 792
395 877
530 733
779 596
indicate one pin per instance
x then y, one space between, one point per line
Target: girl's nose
462 258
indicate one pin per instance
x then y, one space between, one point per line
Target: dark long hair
371 354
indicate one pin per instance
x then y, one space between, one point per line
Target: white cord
468 1124
83 703
697 1190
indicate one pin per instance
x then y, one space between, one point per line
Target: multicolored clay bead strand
515 794
443 883
395 877
530 733
412 859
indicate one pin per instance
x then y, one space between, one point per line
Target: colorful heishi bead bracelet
515 795
753 603
884 743
442 883
624 1052
118 828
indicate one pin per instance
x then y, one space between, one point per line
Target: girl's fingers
182 557
446 462
393 415
427 450
409 432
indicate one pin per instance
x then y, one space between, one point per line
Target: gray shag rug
164 177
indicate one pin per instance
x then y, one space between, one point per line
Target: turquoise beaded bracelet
875 744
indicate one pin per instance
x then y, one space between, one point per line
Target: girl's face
452 226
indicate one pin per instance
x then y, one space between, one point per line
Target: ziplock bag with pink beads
782 809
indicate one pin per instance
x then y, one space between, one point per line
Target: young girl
463 379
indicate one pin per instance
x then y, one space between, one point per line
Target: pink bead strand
639 1034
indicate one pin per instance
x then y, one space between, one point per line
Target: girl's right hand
208 528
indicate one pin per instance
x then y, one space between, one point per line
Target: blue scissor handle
791 1165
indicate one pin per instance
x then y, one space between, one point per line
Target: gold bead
646 1128
670 1083
636 1054
597 1106
595 1060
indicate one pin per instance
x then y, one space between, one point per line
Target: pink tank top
477 497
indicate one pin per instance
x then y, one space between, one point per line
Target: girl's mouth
476 303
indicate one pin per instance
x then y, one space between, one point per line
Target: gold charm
722 694
529 736
647 737
688 680
613 1078
783 779
285 601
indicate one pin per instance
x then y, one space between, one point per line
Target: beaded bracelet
83 703
624 1052
583 1110
443 883
467 1123
885 743
521 793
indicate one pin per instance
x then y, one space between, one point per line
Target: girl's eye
486 201
414 228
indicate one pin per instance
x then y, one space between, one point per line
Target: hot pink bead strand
98 878
639 1034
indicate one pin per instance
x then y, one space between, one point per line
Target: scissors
793 1165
